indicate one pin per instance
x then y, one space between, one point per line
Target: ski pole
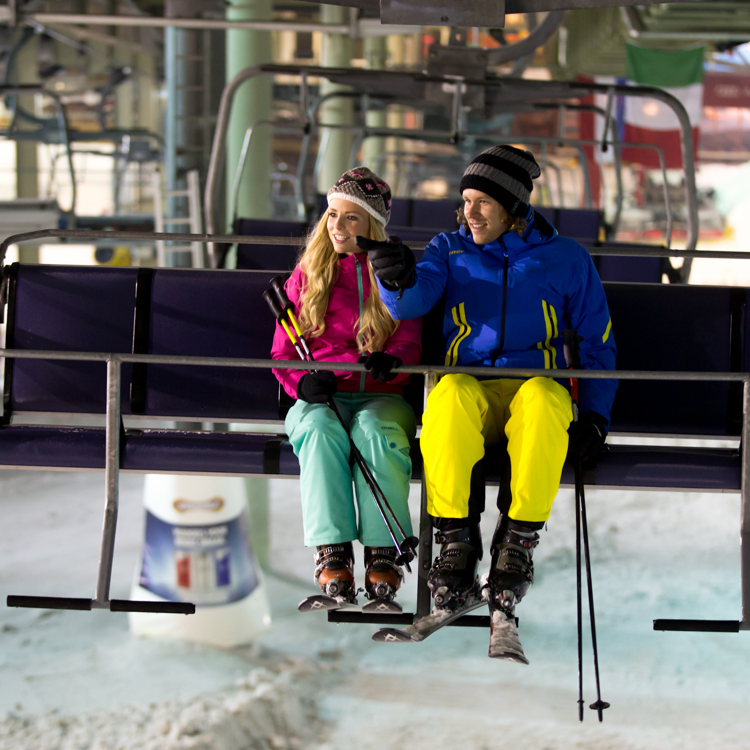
282 309
571 341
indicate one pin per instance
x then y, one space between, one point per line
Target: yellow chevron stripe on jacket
550 323
464 329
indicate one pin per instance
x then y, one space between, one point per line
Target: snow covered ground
80 680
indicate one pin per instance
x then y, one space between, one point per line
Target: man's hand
380 365
587 436
317 387
392 261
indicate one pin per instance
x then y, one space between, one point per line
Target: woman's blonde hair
320 268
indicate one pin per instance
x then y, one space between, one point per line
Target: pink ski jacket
338 342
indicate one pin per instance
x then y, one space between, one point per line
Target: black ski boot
453 575
383 575
334 571
512 570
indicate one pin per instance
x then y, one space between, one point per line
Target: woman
343 319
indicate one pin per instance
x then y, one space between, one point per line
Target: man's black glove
380 365
317 387
392 261
587 436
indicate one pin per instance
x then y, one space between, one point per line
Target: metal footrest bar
405 618
699 626
114 605
175 608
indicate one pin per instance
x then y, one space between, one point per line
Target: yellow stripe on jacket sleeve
464 329
607 332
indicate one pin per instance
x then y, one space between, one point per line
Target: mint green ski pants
381 426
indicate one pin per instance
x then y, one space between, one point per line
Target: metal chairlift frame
113 421
507 92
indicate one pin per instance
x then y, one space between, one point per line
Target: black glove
587 436
380 365
392 261
317 387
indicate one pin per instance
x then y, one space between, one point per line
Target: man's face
486 218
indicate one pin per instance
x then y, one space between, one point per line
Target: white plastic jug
196 549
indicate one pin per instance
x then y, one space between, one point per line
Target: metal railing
114 363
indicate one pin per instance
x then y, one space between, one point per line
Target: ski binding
322 602
438 618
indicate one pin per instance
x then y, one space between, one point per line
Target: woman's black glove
317 387
587 436
380 365
392 261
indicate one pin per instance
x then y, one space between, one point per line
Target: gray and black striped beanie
505 174
363 187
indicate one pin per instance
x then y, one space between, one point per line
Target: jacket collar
538 232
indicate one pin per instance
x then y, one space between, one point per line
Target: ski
504 641
421 629
323 603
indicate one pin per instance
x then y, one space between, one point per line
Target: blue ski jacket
507 302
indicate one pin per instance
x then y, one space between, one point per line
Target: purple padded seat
270 257
66 308
211 314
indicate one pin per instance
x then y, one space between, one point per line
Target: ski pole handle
277 284
571 351
273 303
280 314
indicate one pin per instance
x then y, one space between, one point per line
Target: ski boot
453 576
382 575
512 570
334 571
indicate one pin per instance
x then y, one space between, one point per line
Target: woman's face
346 220
486 218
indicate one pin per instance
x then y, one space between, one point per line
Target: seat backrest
210 314
677 327
629 268
437 215
66 308
582 224
657 327
267 257
270 257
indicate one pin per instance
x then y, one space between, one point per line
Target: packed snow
81 680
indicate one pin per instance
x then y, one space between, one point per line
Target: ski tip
391 635
518 658
379 606
318 603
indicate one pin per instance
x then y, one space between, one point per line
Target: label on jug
206 565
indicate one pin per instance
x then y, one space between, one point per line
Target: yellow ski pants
464 414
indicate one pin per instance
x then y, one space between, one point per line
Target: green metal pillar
376 54
336 52
27 166
252 106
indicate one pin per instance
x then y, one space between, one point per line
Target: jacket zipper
505 302
361 292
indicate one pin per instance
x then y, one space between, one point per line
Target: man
510 284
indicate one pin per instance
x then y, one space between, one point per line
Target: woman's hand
380 364
317 387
